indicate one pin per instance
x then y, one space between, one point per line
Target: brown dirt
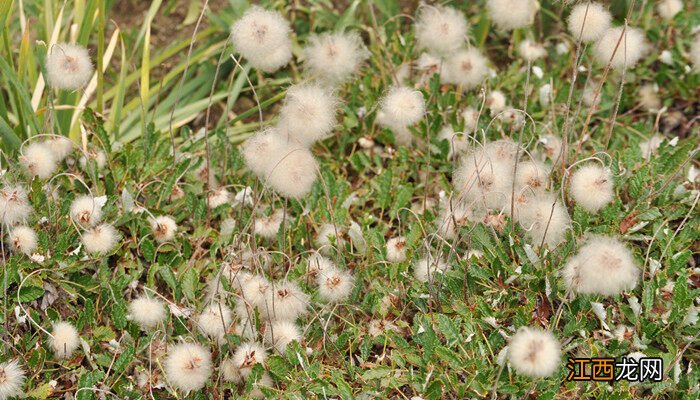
167 25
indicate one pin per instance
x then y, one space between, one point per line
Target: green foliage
395 337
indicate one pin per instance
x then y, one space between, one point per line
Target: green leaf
119 312
681 297
103 333
449 356
20 92
650 214
434 389
449 329
401 199
41 392
10 140
86 382
124 359
148 250
189 283
384 186
169 277
376 373
30 293
278 366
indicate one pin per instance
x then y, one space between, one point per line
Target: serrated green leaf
190 283
103 333
30 293
376 373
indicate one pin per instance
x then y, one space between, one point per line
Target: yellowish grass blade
92 85
40 84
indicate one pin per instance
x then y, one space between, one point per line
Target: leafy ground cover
158 129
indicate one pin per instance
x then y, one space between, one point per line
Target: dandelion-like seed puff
68 66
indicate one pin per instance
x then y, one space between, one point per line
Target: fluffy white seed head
260 150
695 52
218 197
264 381
603 265
466 68
254 293
563 48
268 226
440 29
163 228
284 301
38 160
23 239
402 107
512 14
485 176
188 366
543 216
11 379
632 48
429 268
262 37
649 97
666 57
14 205
334 57
247 355
64 339
589 96
531 177
147 312
592 187
215 320
294 173
318 263
329 238
402 135
286 167
454 215
230 372
403 73
496 102
531 51
551 146
61 147
101 239
545 94
68 66
247 328
534 353
669 8
503 151
279 334
588 21
649 147
512 117
308 113
177 193
86 210
94 156
459 144
428 64
335 285
276 60
396 249
471 118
